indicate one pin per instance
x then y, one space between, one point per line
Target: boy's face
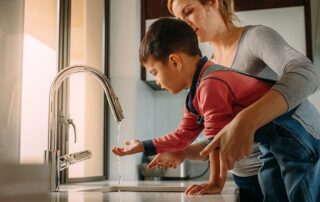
168 76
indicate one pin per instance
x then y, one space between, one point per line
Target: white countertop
155 191
30 183
139 197
137 191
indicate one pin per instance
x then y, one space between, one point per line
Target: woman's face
204 19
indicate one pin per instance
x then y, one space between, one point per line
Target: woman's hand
167 160
207 188
132 147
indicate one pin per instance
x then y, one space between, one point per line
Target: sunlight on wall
38 68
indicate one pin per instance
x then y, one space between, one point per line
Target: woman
259 51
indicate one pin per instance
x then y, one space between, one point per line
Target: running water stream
119 160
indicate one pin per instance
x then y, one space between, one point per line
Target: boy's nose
158 83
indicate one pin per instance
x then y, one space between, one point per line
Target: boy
290 146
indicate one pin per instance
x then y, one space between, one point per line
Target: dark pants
249 189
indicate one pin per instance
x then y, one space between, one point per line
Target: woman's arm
299 78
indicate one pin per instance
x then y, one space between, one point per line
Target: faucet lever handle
70 122
69 159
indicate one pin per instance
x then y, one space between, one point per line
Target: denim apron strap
196 82
216 67
193 90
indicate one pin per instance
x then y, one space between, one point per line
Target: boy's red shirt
220 96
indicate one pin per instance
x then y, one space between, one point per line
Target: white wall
135 97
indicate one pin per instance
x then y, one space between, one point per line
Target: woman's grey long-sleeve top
263 52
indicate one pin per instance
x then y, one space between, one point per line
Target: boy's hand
231 147
207 188
167 160
132 147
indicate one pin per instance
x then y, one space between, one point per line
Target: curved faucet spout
62 75
52 155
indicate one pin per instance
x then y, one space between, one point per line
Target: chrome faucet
52 155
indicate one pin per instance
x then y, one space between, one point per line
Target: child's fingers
154 162
194 189
168 165
212 146
160 165
121 151
114 150
203 191
150 166
189 188
209 190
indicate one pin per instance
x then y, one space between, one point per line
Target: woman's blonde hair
226 9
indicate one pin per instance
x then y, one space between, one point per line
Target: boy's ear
175 61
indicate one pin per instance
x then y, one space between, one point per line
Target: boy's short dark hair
166 36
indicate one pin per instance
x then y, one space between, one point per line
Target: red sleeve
215 100
182 137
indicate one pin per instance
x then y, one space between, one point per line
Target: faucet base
52 158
